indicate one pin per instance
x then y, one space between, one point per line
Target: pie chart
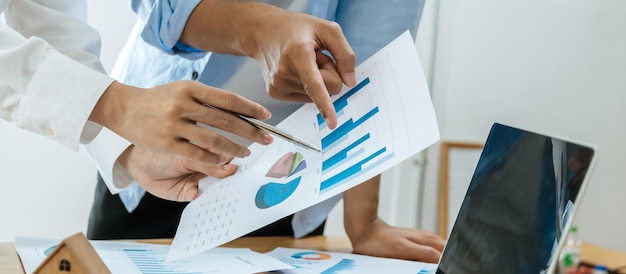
274 193
287 165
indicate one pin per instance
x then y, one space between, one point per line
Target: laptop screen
518 204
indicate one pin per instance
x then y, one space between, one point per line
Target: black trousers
153 218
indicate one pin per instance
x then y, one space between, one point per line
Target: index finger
313 84
230 101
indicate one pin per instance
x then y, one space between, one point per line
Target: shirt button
194 75
49 131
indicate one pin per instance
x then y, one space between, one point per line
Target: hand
164 119
288 46
167 176
293 64
382 240
578 163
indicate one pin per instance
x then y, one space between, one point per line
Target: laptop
519 204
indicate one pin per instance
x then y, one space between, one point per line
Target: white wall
553 66
114 20
47 190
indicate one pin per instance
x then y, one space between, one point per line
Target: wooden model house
73 255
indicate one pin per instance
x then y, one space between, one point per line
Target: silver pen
272 129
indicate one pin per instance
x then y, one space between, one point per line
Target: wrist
112 106
124 167
259 22
234 22
357 231
361 208
124 160
254 17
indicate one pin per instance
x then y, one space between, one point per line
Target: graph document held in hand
386 118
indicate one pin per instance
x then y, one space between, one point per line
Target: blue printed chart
141 258
311 261
384 119
273 193
273 182
350 150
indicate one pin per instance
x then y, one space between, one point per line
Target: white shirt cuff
104 150
68 94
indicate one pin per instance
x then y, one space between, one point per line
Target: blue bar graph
345 128
349 172
343 100
343 265
343 154
352 156
365 169
334 144
148 261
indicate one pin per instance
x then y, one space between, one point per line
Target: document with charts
386 118
142 258
314 262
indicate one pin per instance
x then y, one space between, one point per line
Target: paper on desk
386 118
129 257
315 262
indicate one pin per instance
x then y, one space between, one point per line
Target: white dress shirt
50 73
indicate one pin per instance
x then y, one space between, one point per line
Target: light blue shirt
154 56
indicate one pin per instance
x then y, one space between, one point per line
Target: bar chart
384 119
150 261
142 258
364 138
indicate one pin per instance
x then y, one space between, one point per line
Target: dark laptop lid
518 204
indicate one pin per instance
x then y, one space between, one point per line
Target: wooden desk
593 254
10 262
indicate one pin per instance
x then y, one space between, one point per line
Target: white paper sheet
129 257
315 262
386 118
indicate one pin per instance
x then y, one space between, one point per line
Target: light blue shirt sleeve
164 24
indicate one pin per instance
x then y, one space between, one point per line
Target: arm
290 55
52 76
142 65
370 235
169 177
51 82
164 119
161 25
170 112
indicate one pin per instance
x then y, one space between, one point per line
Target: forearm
45 75
42 95
61 23
361 207
229 26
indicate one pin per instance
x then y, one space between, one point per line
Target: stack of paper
129 257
